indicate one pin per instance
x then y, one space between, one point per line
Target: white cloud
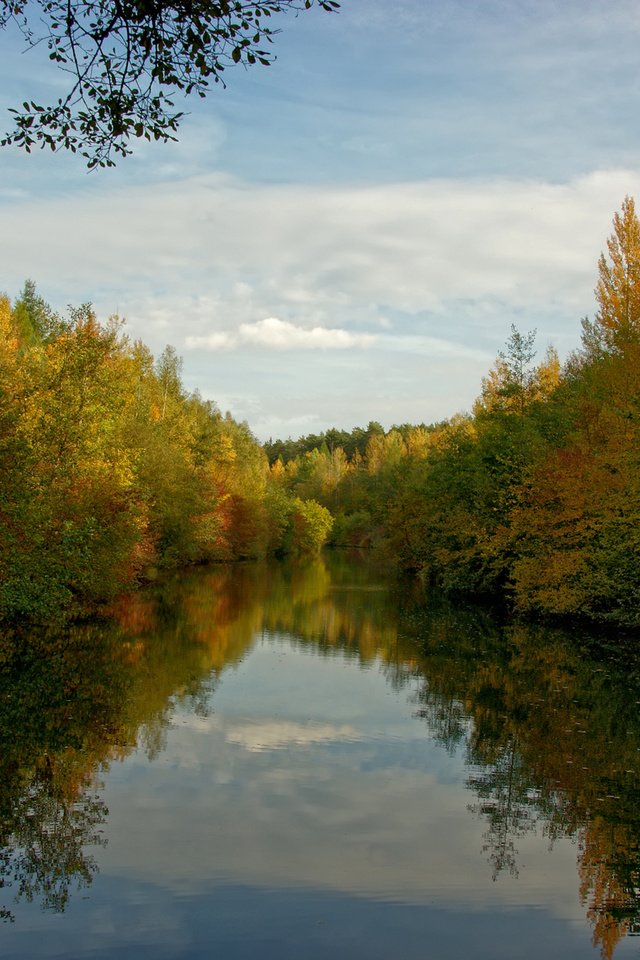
213 341
317 256
238 270
254 797
275 334
273 735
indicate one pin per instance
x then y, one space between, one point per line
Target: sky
349 234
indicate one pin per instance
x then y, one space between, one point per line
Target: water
276 761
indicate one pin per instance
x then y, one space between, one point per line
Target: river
275 761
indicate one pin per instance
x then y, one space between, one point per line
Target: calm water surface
278 762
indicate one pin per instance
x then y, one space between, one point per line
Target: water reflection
548 731
553 740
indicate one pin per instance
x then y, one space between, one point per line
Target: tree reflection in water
45 854
56 707
544 720
551 743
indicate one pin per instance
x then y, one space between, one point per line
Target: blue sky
349 234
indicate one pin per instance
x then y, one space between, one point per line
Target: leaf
124 57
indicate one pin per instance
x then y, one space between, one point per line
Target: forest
111 471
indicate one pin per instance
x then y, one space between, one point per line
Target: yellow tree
617 321
68 507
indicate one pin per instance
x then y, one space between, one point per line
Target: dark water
275 762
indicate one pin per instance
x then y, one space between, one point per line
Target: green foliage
352 529
353 443
127 61
535 497
108 468
33 317
309 527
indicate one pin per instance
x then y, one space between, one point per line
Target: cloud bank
395 297
274 334
317 256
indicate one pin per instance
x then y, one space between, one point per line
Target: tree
509 383
34 318
127 59
71 518
617 322
576 524
310 526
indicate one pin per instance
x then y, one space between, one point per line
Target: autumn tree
109 468
69 515
617 321
577 523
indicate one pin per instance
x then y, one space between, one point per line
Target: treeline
110 469
351 442
535 495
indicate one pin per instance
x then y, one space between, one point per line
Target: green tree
310 526
508 385
34 318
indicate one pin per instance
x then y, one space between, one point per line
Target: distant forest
111 471
535 495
